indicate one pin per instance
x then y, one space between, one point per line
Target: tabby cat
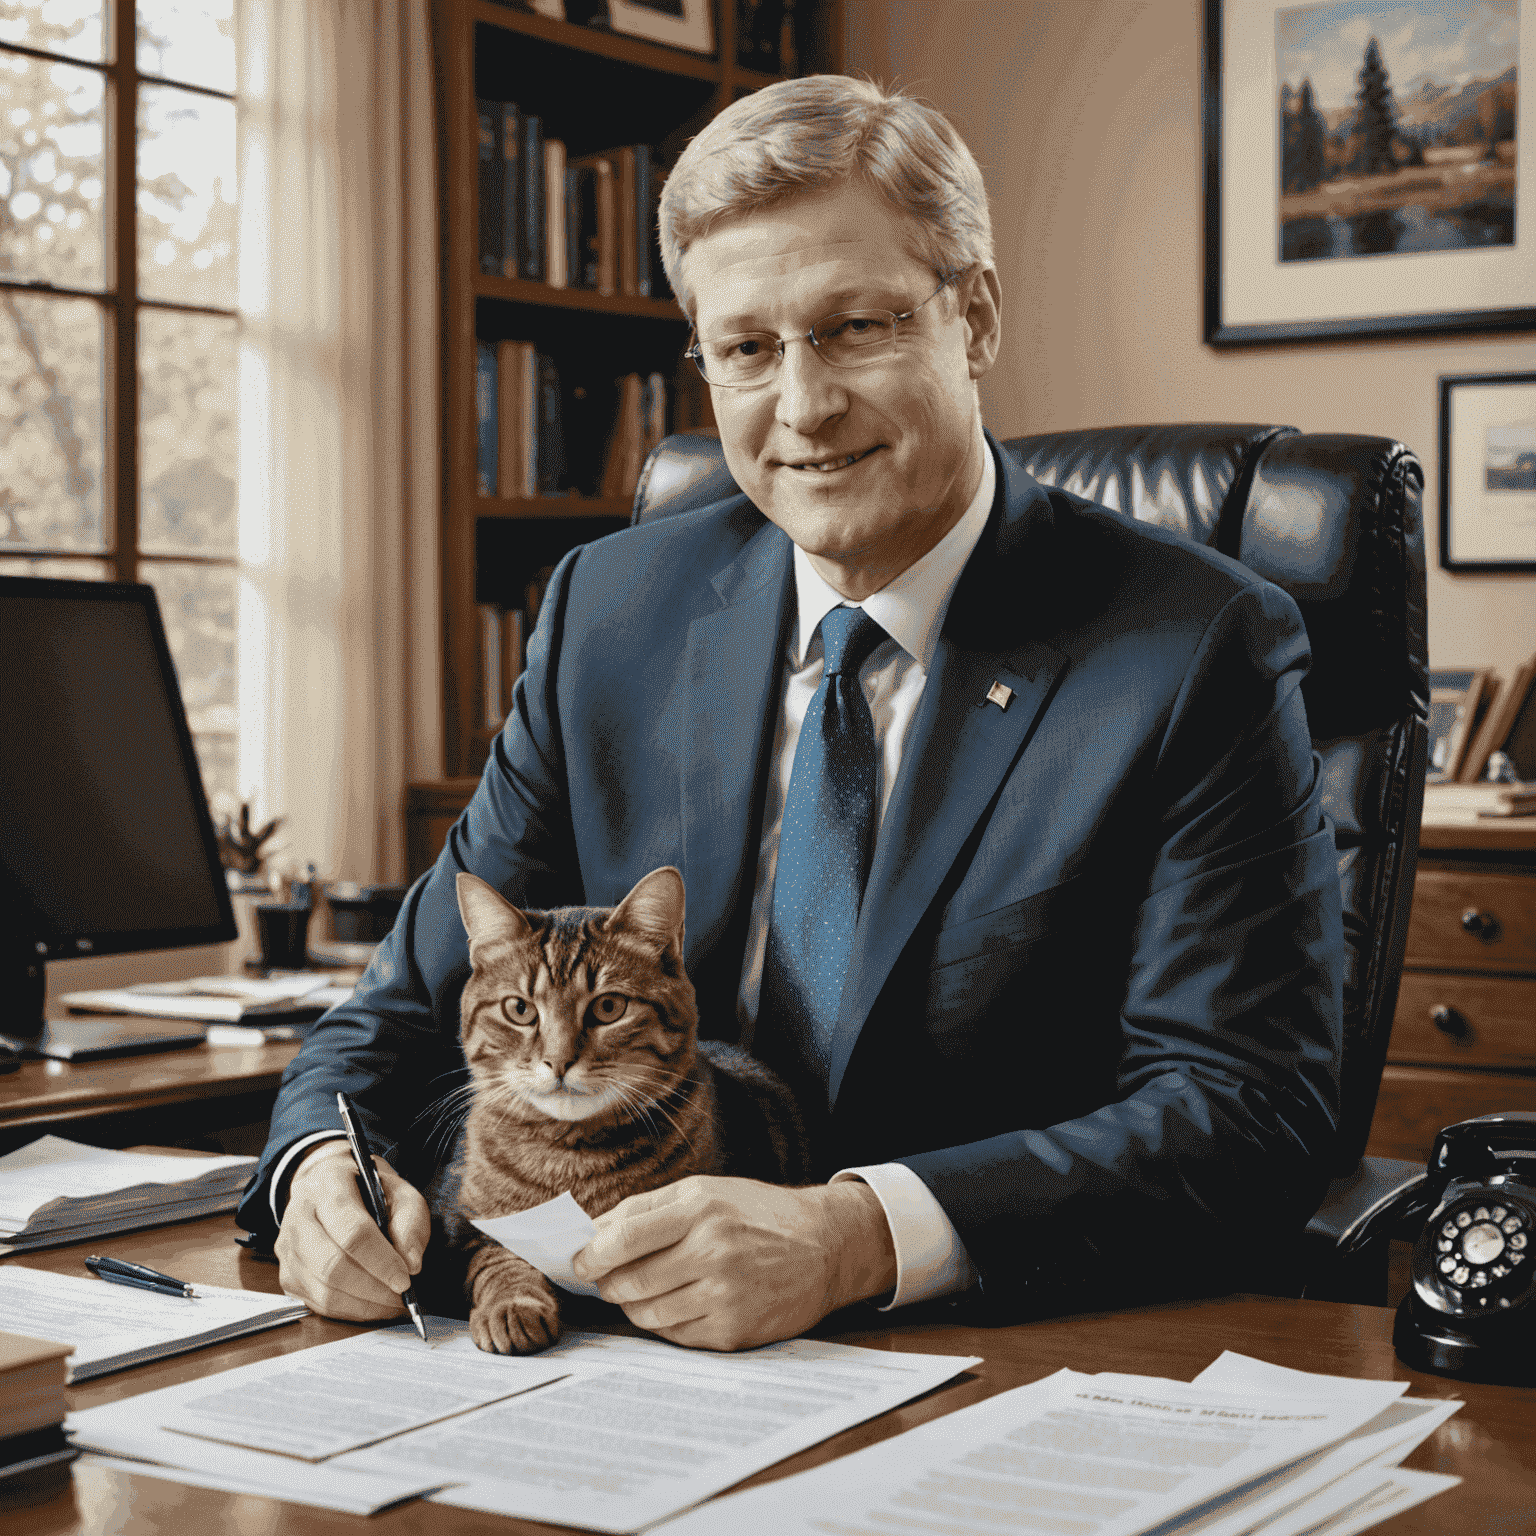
580 1028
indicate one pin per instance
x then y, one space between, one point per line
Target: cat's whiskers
447 1115
646 1101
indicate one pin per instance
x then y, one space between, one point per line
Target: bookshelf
594 90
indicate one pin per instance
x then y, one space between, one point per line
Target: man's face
908 421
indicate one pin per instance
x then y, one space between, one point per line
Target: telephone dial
1471 1310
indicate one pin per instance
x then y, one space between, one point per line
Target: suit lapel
962 746
730 681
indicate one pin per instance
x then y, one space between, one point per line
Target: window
117 319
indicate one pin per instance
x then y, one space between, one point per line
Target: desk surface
1491 1443
48 1095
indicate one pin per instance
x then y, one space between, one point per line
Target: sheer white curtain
339 385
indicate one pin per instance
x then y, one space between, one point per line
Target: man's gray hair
800 136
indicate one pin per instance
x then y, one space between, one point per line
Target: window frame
119 301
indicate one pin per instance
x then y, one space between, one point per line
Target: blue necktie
825 843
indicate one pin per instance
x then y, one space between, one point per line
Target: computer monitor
106 844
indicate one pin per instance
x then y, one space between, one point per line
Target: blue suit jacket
1095 995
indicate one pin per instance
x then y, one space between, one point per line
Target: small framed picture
1510 728
677 23
1361 171
1488 472
1458 703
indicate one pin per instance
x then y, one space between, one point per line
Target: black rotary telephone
1472 1309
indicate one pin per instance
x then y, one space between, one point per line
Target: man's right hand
331 1255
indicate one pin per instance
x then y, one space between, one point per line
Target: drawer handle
1481 925
1451 1023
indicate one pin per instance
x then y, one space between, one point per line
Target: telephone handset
1471 1311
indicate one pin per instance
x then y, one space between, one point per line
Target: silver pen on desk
140 1276
373 1195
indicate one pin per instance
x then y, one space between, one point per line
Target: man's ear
981 307
487 914
654 908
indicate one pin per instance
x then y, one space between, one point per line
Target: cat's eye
609 1008
519 1011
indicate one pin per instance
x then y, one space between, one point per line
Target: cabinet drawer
1416 1102
1505 939
1496 1016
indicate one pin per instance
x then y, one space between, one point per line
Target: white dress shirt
930 1258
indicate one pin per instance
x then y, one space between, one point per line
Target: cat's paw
511 1316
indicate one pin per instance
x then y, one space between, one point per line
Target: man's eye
609 1008
519 1010
745 346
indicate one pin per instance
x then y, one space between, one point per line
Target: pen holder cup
283 929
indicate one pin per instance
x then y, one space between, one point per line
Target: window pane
186 433
186 197
191 40
51 170
56 26
197 606
70 570
50 422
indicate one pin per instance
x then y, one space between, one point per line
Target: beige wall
1085 116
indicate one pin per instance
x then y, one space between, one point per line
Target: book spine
554 214
627 220
551 465
513 654
645 220
622 473
512 176
485 419
607 226
509 419
533 200
528 424
490 665
575 273
488 113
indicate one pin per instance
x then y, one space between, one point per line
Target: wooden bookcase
594 90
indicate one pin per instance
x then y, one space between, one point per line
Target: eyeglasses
853 338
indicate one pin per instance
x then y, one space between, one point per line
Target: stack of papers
611 1434
1248 1447
113 1326
57 1191
220 999
1467 805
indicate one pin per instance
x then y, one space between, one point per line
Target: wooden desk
172 1098
1491 1443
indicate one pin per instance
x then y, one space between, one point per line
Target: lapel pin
999 695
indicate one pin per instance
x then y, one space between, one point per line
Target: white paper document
641 1429
1093 1455
338 1397
113 1326
549 1236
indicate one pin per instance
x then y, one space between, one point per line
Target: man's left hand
717 1263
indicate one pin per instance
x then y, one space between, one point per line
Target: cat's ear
654 908
486 912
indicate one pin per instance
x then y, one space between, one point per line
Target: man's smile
825 466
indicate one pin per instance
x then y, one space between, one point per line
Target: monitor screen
106 845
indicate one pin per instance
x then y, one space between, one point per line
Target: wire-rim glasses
852 338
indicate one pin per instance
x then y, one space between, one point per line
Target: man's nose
809 390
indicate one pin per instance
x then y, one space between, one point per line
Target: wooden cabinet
1464 1034
593 90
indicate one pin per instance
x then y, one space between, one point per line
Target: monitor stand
24 1031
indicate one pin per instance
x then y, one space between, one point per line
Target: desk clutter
56 1191
33 1450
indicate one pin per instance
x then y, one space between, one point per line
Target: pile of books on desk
33 1451
57 1191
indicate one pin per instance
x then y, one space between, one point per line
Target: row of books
504 632
581 222
537 437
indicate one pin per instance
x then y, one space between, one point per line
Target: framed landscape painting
1362 168
1488 472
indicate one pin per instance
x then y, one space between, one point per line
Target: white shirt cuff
930 1258
280 1173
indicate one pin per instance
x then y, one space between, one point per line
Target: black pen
373 1195
141 1276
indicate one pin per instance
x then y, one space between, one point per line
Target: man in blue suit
997 810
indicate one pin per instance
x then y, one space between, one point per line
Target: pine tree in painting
1302 135
1377 114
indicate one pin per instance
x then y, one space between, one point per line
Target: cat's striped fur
580 1029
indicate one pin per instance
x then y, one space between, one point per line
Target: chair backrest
1335 520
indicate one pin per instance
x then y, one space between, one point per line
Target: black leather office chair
1335 520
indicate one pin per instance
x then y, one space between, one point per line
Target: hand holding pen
373 1194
